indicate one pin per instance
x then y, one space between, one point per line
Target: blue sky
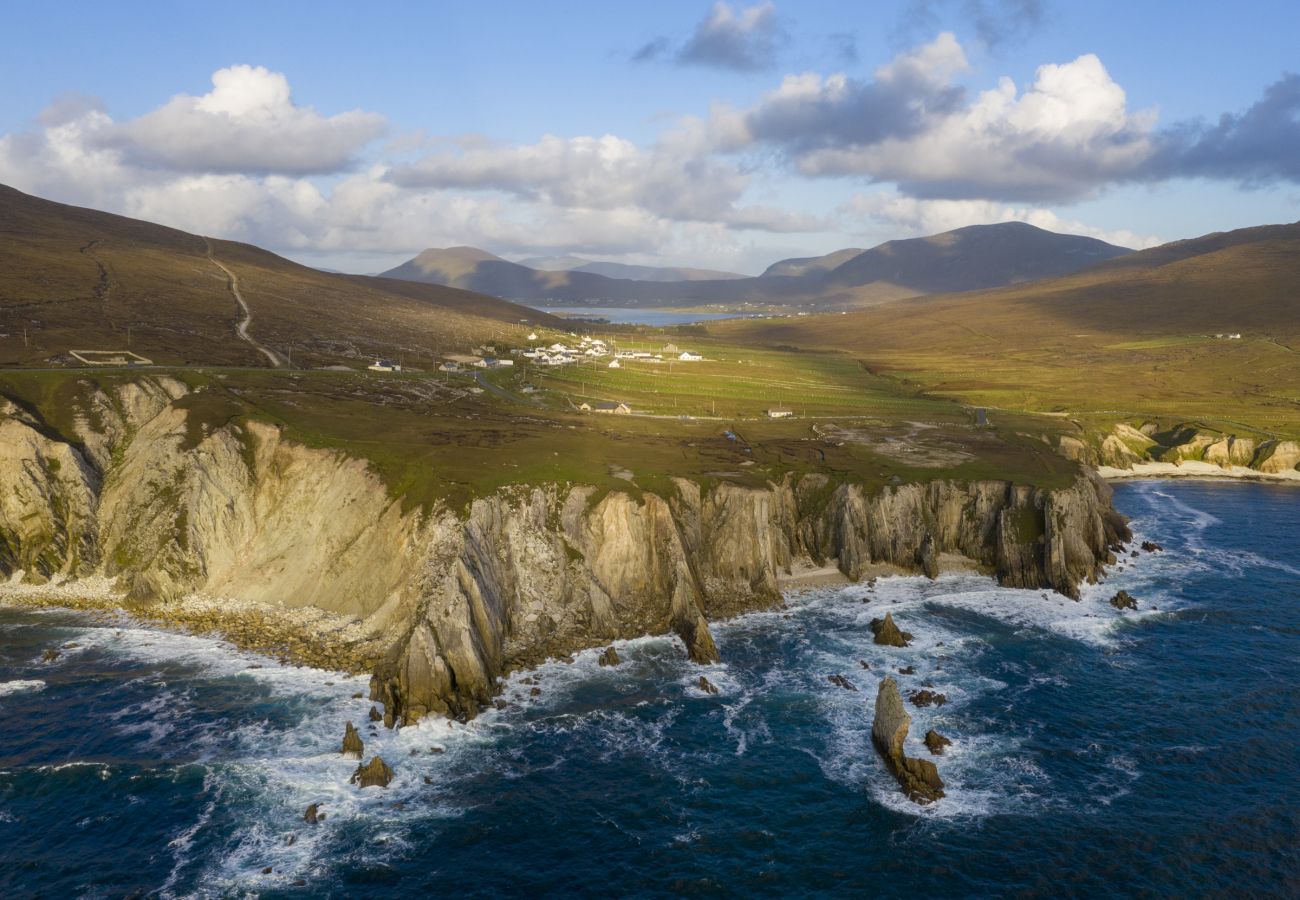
702 133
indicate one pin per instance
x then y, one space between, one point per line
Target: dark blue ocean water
1095 754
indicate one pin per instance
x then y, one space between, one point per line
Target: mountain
973 258
1144 334
808 265
79 279
623 270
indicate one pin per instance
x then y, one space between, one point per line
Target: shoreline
1197 469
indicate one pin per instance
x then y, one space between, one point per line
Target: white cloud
1067 134
248 122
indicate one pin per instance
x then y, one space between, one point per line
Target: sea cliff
444 601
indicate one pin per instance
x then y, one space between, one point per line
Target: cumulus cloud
248 122
745 39
993 22
913 124
674 179
1257 147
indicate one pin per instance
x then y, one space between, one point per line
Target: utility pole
128 337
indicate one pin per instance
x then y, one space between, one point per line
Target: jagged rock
919 778
935 742
375 773
353 748
1151 547
707 686
864 664
841 681
609 657
266 870
1124 600
50 655
928 557
375 715
907 670
926 698
312 815
887 632
699 642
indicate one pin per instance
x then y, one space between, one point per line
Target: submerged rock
935 742
375 773
841 681
919 778
312 815
353 748
888 633
49 655
927 698
609 657
907 670
1124 600
707 686
1151 547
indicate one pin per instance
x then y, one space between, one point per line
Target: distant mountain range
624 271
974 258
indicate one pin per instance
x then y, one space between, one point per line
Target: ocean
1095 753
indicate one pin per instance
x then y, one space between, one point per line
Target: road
241 330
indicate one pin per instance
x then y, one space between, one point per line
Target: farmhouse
385 365
607 406
779 412
688 356
671 348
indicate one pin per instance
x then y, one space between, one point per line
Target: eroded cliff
456 598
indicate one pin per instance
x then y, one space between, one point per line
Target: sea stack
887 632
919 778
353 748
375 773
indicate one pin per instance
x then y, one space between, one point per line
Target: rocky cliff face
1151 447
460 598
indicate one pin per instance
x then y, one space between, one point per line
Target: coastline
1199 470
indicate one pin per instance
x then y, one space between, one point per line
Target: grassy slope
77 279
1131 338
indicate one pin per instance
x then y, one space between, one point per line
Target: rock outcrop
375 773
919 778
353 747
887 633
1124 600
609 657
935 742
462 597
1186 449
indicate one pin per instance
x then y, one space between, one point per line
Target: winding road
241 330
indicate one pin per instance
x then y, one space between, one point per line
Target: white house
613 364
779 412
688 356
532 335
385 365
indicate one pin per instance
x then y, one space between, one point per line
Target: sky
724 135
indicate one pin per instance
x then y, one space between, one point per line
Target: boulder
1124 600
707 686
907 670
935 742
375 773
927 698
353 748
312 815
609 657
919 778
1151 547
49 655
864 664
841 681
887 632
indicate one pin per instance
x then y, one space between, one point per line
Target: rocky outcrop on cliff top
919 778
463 597
1125 447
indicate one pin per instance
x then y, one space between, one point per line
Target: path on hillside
241 330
